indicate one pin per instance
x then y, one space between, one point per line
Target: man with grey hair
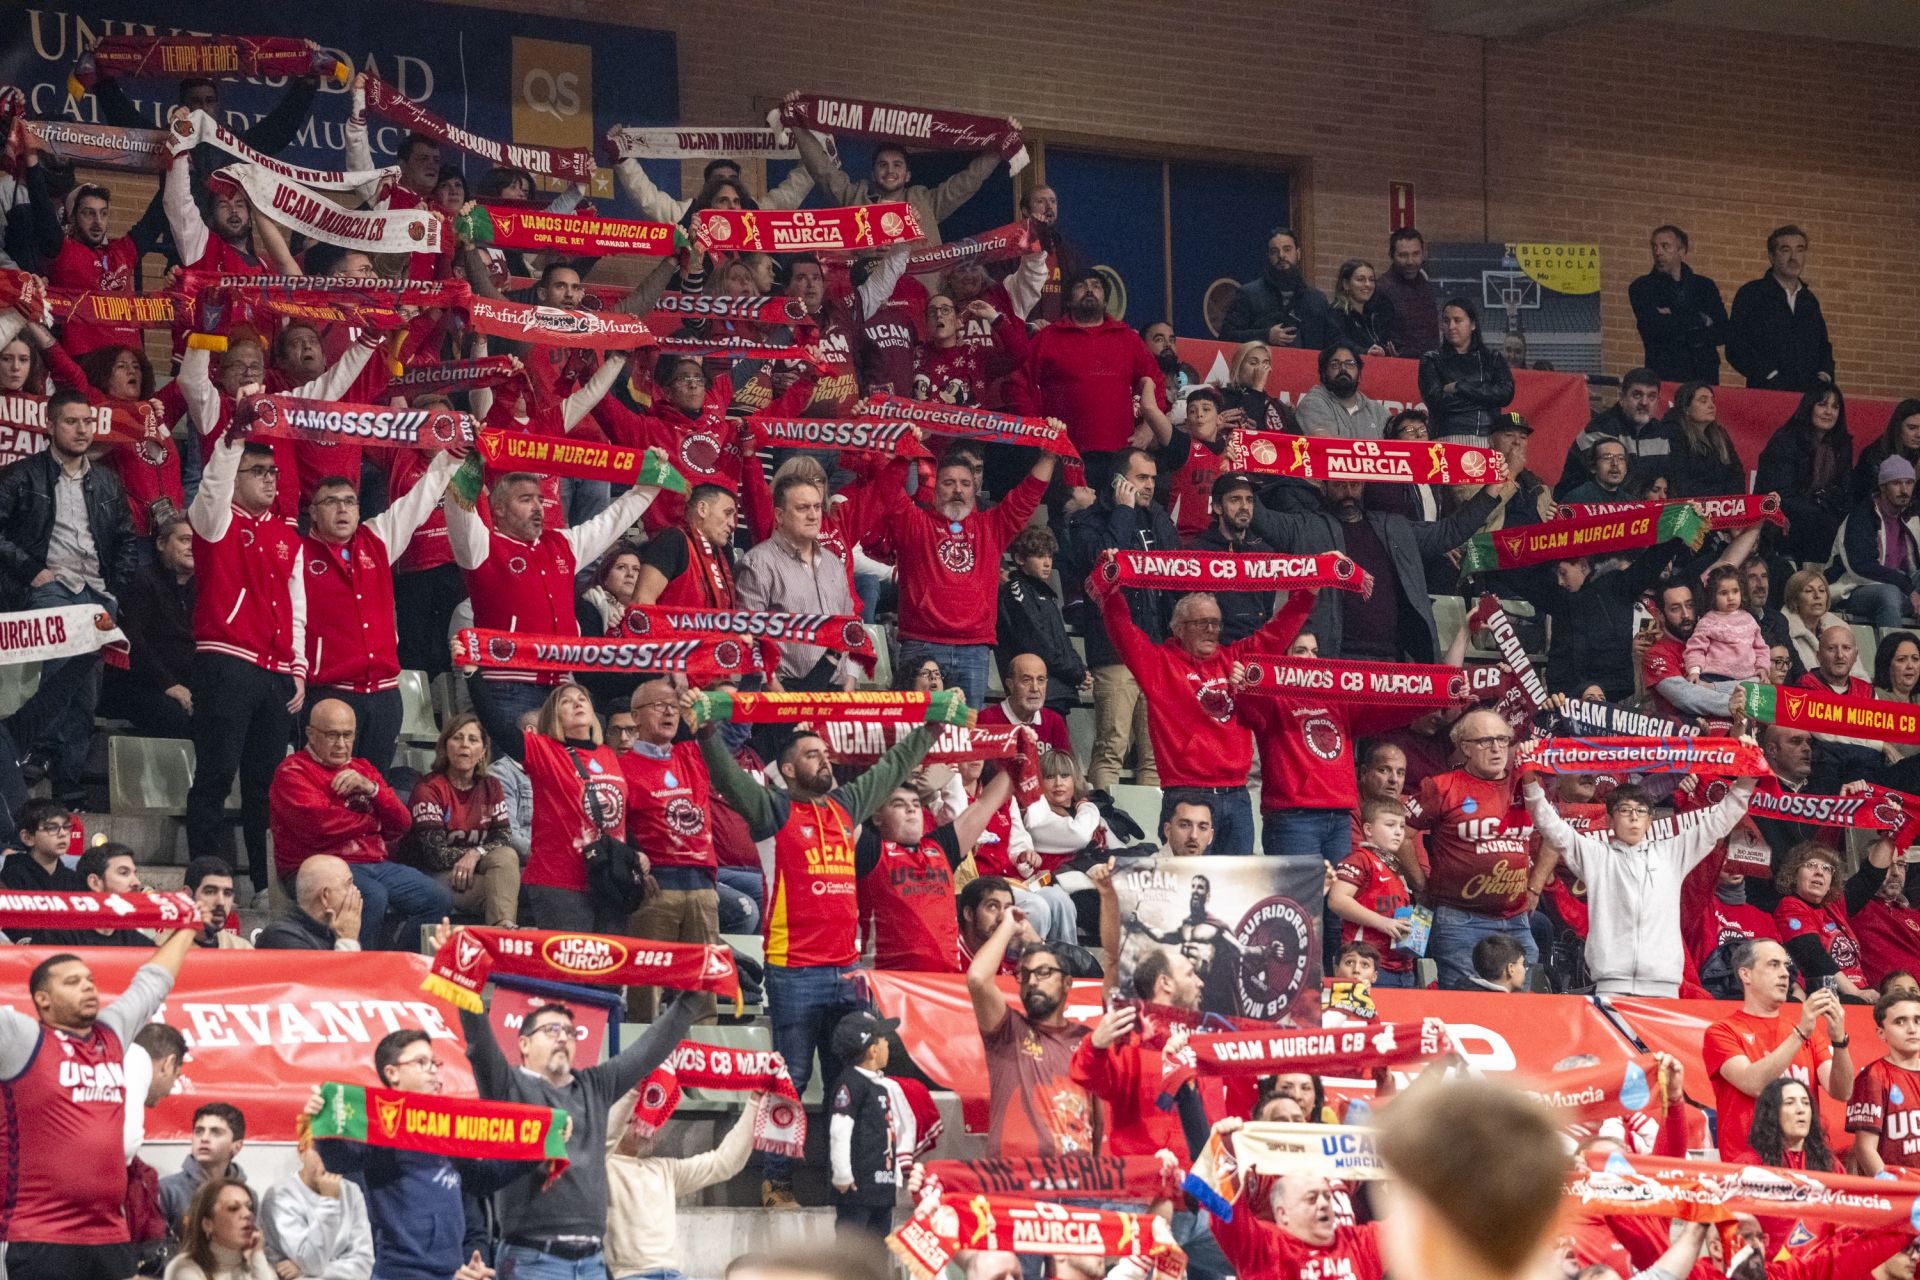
520 578
791 572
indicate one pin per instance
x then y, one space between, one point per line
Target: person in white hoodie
316 1224
644 1189
1633 876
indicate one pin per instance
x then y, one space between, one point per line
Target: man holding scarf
811 924
692 563
223 241
89 261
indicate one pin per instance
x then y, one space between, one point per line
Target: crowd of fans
273 591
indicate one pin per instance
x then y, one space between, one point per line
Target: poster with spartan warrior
1249 927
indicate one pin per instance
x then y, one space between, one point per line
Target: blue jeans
1327 833
1193 1232
416 897
805 1004
66 705
1232 815
1385 979
1455 933
517 1262
1880 603
746 883
664 1273
500 704
962 666
584 499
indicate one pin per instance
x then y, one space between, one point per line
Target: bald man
1026 703
325 800
1838 759
669 798
327 917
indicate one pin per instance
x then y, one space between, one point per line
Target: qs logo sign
552 93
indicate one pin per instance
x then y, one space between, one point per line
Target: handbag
615 873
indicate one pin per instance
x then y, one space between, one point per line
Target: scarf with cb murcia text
1831 713
1236 571
926 127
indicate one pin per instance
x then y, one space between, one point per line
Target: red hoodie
1087 376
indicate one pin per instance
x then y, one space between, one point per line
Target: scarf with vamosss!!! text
841 634
385 101
1330 458
945 706
1234 571
927 127
461 966
894 439
779 1121
193 57
331 421
776 309
701 660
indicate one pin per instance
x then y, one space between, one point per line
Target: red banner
573 164
265 1024
867 226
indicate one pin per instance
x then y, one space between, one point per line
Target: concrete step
708 1239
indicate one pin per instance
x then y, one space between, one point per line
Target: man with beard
691 563
210 881
1648 440
1395 623
1416 303
1036 1108
222 241
1681 319
418 158
949 568
1241 612
90 262
1064 259
1159 337
1202 938
1663 667
1608 461
1280 308
1336 406
1202 752
1117 1065
1091 371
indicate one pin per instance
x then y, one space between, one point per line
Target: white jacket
328 1238
1633 891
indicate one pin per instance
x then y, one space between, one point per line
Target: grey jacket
1320 414
1409 543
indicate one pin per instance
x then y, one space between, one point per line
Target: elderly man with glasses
1633 876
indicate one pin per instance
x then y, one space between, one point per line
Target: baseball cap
1511 421
1894 468
1229 481
855 1032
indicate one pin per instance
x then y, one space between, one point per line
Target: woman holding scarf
1896 678
579 796
1815 914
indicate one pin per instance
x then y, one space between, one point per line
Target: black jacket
1482 389
1701 474
1787 468
1261 305
1777 348
1241 612
26 524
1030 621
1593 627
157 615
1683 344
1106 524
1649 448
295 931
1370 327
1407 542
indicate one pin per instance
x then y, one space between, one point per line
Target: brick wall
1595 135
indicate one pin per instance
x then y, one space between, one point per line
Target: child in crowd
1500 964
1881 1113
1369 889
34 865
1357 962
1726 644
860 1137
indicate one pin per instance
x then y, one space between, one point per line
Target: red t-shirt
1750 1036
1479 849
1889 938
562 827
669 801
1378 888
1796 919
1259 1250
60 1134
1665 657
1886 1101
1087 376
906 899
1037 1109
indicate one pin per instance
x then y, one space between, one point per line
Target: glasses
1202 624
53 828
1633 811
556 1030
687 380
647 706
271 473
1040 973
1489 743
343 501
425 1064
1344 364
334 735
941 310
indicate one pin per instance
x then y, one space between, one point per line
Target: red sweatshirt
949 570
1086 376
1126 1076
308 817
1259 1250
1190 703
1306 747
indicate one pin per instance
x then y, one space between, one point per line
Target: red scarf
1393 684
702 660
777 309
672 622
1734 511
1602 1090
728 347
961 423
141 310
1014 240
1875 809
549 162
947 706
1831 713
331 421
117 911
557 326
1488 615
779 1122
583 234
200 128
1235 571
1067 1177
1374 461
96 146
353 289
454 375
115 421
1705 1191
953 1223
865 226
895 439
924 127
1570 539
461 966
1324 1051
25 293
187 57
1702 757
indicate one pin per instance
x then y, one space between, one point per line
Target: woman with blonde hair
1807 598
1361 312
461 830
1245 402
219 1236
1063 821
579 795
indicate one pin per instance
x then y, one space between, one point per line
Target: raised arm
865 794
578 405
960 188
882 279
333 384
396 525
467 534
653 202
189 230
973 820
637 1061
590 538
825 170
792 191
212 510
359 146
983 986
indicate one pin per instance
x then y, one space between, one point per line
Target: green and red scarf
508 450
1700 756
946 706
1593 536
926 128
434 1124
1374 461
463 963
1733 511
864 226
580 234
572 164
28 910
1235 571
1831 713
1392 684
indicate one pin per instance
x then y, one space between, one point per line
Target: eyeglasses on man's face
1040 973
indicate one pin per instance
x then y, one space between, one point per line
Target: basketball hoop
1512 297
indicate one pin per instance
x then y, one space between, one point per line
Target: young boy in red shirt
1368 888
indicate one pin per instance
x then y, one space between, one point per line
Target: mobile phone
1831 983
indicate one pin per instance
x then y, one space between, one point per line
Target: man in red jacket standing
91 262
326 801
1120 1063
1203 752
949 569
1095 374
